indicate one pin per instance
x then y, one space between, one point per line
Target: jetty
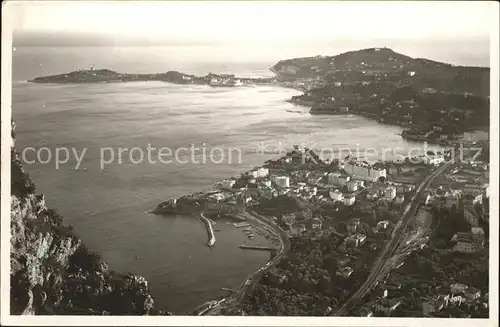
210 230
258 247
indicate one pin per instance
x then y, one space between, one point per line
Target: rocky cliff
52 272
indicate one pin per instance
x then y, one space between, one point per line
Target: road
383 262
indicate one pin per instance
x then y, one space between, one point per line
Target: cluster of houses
466 242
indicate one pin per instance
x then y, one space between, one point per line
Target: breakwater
210 230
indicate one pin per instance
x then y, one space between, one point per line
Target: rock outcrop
52 272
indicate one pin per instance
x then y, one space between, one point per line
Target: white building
476 190
227 184
281 181
349 200
260 172
336 195
267 183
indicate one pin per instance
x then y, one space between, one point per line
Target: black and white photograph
249 163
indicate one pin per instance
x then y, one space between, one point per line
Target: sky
257 22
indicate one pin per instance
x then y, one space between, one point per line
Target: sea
107 196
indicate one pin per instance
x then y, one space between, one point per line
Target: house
432 306
383 224
281 181
472 293
355 240
344 272
390 193
336 195
477 231
458 288
297 229
333 178
316 223
343 179
399 199
259 172
450 201
267 183
371 195
386 305
471 217
352 186
476 190
227 184
288 219
468 243
349 200
353 225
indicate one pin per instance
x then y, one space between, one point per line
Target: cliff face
52 272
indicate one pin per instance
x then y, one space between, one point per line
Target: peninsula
435 101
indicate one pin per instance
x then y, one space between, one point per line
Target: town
338 220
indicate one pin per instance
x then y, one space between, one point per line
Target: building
355 240
477 231
352 186
267 183
227 184
471 217
363 171
260 172
458 288
333 178
432 306
344 272
476 190
472 293
342 180
281 181
387 305
449 202
316 223
349 200
353 225
336 195
297 229
400 199
382 224
390 193
468 243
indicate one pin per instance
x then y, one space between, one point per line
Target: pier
210 230
258 247
242 224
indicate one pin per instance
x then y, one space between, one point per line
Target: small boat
295 111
